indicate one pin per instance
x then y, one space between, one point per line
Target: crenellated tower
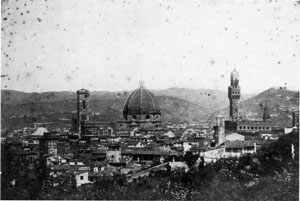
82 107
234 95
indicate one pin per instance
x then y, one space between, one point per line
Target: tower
219 130
234 95
82 107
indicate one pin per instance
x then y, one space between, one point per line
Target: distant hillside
177 105
19 115
212 100
17 97
280 102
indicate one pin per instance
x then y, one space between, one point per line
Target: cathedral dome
141 102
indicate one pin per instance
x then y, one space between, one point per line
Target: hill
208 98
177 104
59 113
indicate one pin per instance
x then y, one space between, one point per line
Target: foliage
190 158
17 180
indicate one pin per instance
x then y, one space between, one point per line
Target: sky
55 45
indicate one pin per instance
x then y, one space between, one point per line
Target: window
248 127
84 104
147 116
31 159
251 127
244 127
255 128
81 177
263 128
240 127
267 128
259 128
236 150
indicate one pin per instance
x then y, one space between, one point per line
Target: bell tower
234 95
82 107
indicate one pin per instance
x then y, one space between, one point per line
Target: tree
190 158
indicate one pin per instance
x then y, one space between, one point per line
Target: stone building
236 124
234 95
219 130
82 110
84 124
141 113
253 126
113 154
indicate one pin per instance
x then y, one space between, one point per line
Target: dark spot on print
68 78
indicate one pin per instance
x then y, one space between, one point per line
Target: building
48 144
219 130
84 125
234 95
81 177
235 123
238 148
30 157
246 126
113 154
97 128
141 113
82 108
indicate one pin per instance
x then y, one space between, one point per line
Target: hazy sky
55 45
